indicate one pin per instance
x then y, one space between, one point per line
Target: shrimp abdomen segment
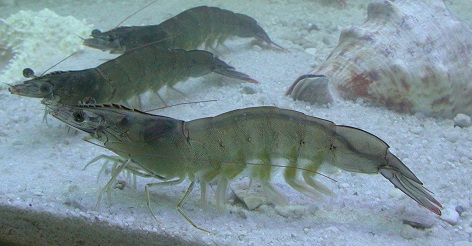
260 133
355 150
266 133
251 139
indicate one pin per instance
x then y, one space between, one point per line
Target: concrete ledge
29 227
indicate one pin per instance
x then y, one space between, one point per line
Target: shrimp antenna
179 104
83 39
79 37
59 63
156 42
129 16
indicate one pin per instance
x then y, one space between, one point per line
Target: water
44 186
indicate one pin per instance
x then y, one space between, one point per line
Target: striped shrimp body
131 74
187 30
221 148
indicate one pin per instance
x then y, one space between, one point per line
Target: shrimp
221 148
187 30
131 74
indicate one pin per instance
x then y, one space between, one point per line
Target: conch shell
409 55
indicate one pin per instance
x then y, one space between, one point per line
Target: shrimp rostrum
131 74
187 30
219 149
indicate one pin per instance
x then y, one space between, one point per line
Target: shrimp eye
28 73
79 116
96 32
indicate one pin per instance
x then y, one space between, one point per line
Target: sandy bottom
6 56
47 198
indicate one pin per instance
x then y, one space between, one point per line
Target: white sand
46 197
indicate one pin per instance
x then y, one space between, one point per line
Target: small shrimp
131 74
187 30
220 148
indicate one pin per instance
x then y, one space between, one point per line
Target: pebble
249 90
468 230
73 188
18 143
327 40
74 204
252 202
459 209
312 26
462 120
452 136
282 211
311 51
395 193
450 215
416 130
242 214
257 48
408 232
332 229
464 159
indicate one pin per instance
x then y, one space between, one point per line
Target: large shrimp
220 148
187 30
131 74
